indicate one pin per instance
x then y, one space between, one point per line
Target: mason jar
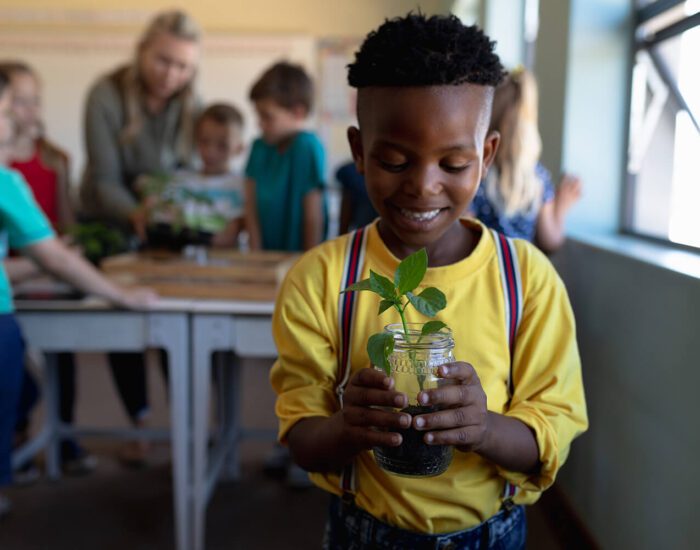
414 367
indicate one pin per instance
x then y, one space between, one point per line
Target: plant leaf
384 305
428 302
379 347
411 271
382 286
360 285
431 327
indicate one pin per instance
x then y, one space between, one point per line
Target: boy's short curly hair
416 50
286 84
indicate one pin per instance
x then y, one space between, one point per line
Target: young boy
23 226
209 201
286 169
425 87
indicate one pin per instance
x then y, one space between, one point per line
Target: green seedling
398 295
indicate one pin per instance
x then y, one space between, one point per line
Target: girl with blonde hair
517 197
138 121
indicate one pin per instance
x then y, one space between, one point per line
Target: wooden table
252 276
218 301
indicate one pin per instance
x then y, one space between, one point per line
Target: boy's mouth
420 215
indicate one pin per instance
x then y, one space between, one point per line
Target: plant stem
403 322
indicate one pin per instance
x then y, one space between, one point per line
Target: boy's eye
455 168
392 166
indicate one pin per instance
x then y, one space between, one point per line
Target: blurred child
24 227
43 164
286 168
208 202
512 402
517 196
356 209
45 168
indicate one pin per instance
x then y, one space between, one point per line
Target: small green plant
98 241
398 295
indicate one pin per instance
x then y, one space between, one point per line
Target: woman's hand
463 418
364 424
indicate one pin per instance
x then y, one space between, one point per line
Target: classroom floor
116 508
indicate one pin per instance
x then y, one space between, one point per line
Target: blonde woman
138 120
517 197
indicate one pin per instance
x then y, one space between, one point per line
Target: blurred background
619 106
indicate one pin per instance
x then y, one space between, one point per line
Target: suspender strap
513 301
354 260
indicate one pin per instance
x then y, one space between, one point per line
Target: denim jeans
11 370
351 528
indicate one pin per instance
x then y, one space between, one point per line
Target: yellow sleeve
304 375
548 388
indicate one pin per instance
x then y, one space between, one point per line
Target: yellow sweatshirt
548 394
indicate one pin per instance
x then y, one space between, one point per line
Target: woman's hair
221 113
416 50
180 25
286 84
512 184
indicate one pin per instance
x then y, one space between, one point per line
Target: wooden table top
212 275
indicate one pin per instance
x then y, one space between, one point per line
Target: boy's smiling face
423 152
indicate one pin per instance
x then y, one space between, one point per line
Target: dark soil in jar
413 457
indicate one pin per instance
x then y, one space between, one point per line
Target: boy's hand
463 420
139 220
367 389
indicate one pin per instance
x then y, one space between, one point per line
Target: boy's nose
423 181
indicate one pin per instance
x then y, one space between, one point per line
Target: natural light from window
684 223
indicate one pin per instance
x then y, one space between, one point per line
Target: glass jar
414 363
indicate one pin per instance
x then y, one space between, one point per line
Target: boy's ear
493 139
355 141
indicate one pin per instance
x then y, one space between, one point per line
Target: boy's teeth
420 216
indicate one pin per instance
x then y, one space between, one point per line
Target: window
663 168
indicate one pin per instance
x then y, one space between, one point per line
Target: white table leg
171 333
210 333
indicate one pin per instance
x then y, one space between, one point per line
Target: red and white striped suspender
513 300
352 269
354 260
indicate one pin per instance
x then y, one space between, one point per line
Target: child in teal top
286 167
23 226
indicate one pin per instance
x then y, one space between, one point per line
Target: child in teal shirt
24 227
285 171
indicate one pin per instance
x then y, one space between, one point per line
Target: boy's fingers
366 439
365 416
457 394
372 377
464 372
372 397
465 438
449 418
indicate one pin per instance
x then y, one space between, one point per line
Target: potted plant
410 353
